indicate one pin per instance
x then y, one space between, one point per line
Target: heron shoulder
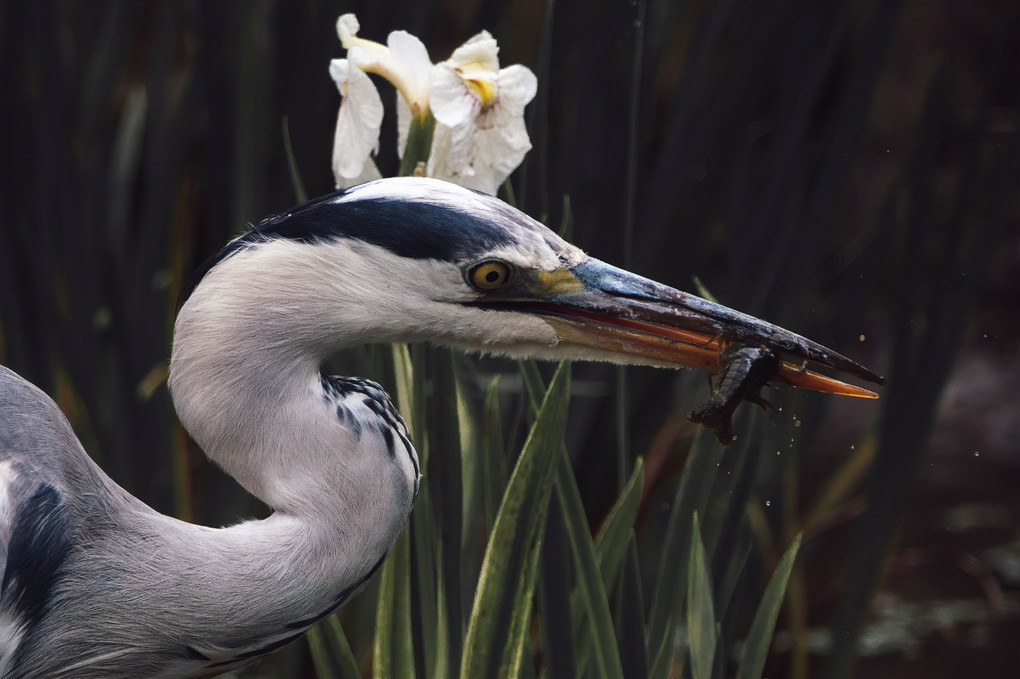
39 441
35 546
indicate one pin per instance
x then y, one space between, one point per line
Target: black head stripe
418 230
408 229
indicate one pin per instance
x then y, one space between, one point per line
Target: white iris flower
480 136
479 107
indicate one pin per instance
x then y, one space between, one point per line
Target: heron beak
598 305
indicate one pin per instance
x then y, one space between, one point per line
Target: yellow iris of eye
490 275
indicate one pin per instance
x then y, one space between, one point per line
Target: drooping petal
403 60
358 123
451 152
494 153
498 152
347 28
368 51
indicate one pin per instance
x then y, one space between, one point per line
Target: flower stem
419 143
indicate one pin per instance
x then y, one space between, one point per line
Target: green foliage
702 636
331 653
759 637
500 618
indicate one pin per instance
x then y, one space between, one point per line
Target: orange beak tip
808 379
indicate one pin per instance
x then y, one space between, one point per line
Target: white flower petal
371 57
481 50
368 173
517 86
413 67
403 125
480 134
459 156
440 154
347 28
478 158
497 153
404 61
450 98
358 121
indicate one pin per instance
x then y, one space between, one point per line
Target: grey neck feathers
258 408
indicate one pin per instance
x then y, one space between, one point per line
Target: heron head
414 259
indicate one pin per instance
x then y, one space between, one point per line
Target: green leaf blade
332 656
611 543
701 627
759 638
393 657
589 578
501 614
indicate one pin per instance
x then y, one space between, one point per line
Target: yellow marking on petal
485 90
479 80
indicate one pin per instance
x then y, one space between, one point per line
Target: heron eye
489 275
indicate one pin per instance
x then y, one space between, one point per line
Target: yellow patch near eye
490 275
559 281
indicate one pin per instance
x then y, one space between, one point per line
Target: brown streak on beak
675 345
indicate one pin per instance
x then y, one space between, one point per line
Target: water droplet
768 503
977 454
796 423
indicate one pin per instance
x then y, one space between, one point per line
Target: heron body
97 584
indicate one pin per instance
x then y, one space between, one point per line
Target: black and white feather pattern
364 407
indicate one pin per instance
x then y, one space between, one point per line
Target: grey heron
97 584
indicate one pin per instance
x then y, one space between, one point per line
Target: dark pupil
492 277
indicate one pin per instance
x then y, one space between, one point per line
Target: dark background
847 169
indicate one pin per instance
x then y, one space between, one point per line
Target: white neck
260 410
245 377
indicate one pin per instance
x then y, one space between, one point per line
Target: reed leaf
702 636
617 531
589 579
671 581
393 655
332 656
501 615
759 638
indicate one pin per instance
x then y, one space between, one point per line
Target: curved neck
244 375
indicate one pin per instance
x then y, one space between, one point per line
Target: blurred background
848 170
